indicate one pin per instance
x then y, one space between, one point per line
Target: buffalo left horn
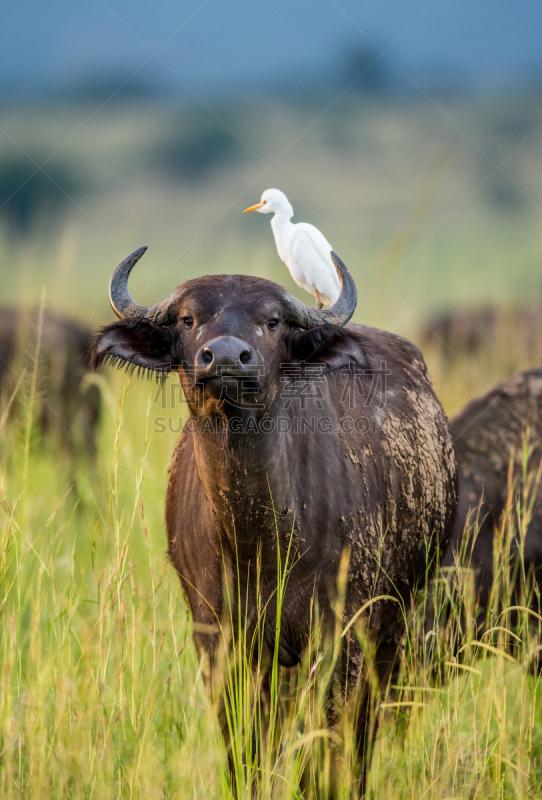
339 313
123 304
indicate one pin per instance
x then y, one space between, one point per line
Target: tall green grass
101 692
102 695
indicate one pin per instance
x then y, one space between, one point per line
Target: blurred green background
411 196
411 135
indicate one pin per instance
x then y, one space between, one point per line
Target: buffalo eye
272 324
188 321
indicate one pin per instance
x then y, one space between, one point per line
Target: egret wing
313 260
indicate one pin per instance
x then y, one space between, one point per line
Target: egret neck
282 225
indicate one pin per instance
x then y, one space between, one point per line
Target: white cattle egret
305 251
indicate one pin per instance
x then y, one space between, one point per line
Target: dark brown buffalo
54 350
302 434
490 437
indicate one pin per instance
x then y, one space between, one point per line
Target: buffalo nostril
245 356
207 356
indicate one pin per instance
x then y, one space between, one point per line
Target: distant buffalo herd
44 362
308 438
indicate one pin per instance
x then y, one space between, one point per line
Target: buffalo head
226 335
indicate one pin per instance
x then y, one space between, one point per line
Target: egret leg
319 303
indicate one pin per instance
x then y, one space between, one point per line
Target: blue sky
218 45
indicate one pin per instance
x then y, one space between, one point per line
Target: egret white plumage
303 248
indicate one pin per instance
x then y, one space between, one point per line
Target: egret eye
188 321
272 324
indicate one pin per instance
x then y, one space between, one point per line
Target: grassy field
101 694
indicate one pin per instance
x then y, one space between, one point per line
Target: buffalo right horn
339 313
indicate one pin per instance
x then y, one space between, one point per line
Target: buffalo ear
135 344
328 345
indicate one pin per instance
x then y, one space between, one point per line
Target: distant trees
26 190
366 69
198 145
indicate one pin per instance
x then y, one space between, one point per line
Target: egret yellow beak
254 208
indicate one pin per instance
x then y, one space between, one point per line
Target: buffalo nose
225 351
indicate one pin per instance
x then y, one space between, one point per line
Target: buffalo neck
244 473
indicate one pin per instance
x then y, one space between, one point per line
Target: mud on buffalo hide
488 433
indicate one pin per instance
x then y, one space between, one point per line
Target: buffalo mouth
229 385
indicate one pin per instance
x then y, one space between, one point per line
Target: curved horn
122 303
338 314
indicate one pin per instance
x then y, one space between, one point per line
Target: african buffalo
61 346
303 435
490 436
